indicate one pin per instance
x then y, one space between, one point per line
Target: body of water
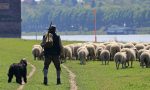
100 38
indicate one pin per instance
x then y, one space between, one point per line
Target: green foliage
69 16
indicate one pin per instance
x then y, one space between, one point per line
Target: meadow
92 76
11 51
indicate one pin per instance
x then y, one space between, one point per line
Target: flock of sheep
121 53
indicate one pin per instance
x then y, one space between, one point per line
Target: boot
45 71
58 81
45 81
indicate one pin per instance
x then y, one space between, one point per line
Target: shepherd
52 46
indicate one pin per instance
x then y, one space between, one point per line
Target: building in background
10 18
118 30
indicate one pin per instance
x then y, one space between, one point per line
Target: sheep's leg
38 58
117 65
105 62
125 65
142 64
146 64
131 63
128 63
108 62
84 61
122 66
34 57
80 61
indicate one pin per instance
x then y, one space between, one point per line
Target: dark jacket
54 50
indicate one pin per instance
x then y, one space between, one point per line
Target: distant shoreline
100 38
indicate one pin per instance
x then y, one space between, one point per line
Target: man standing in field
52 52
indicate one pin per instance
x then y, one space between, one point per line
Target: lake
100 38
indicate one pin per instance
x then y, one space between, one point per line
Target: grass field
95 76
11 51
92 76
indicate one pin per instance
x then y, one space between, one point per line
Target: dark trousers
56 62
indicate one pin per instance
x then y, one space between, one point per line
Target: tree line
79 16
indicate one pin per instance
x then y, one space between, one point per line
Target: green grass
92 76
11 51
95 76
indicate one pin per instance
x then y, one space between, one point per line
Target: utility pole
94 12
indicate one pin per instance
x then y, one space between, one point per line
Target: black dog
19 70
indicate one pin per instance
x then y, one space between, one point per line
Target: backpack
48 40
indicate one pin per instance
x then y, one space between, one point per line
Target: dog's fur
19 70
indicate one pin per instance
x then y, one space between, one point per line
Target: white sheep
129 45
147 47
139 46
105 56
91 50
114 49
131 55
38 52
67 52
72 48
76 47
139 53
82 54
120 58
98 52
145 59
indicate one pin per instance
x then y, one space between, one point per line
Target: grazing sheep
67 53
134 43
82 55
91 50
139 46
121 45
120 58
131 55
76 47
98 52
114 49
139 53
72 48
105 56
108 47
147 47
145 59
38 52
96 45
145 44
129 45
